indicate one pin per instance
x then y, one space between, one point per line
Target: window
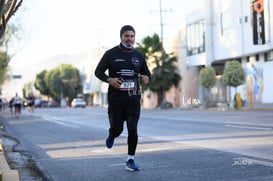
195 38
257 57
268 56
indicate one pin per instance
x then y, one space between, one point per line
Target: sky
54 29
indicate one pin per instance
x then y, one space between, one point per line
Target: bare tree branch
7 9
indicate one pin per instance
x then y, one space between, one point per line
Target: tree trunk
207 97
159 97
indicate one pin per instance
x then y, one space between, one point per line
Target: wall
267 82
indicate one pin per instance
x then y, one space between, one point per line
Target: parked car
78 102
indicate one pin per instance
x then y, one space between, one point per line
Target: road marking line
118 164
60 122
248 127
65 124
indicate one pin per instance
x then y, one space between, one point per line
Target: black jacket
126 64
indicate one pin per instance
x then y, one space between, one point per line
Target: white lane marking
118 164
60 122
248 127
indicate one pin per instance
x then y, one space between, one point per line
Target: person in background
30 103
11 105
125 65
1 104
17 102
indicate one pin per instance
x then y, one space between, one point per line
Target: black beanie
126 28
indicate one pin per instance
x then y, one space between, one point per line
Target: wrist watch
108 79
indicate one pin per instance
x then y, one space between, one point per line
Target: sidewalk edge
6 174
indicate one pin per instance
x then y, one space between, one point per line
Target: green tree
234 74
4 61
27 89
207 78
40 83
5 53
163 67
64 81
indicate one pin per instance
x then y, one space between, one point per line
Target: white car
78 102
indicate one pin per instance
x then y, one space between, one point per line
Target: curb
6 174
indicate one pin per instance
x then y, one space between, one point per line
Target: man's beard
127 45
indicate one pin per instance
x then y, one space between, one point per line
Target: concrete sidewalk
6 174
261 106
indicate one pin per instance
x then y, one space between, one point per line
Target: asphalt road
69 144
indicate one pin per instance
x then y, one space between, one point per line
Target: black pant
118 113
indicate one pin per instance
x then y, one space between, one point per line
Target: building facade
230 30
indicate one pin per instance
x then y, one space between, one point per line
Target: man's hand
145 79
115 82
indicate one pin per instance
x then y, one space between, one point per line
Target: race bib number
127 85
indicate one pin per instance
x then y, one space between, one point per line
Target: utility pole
161 22
162 48
161 11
